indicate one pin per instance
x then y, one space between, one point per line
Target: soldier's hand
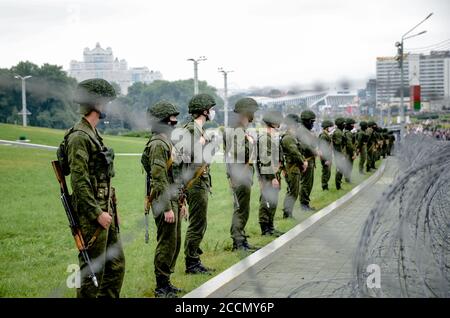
305 165
275 183
184 212
104 220
169 216
328 163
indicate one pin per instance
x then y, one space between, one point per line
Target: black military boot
306 207
243 246
275 232
287 215
164 289
175 289
265 229
195 266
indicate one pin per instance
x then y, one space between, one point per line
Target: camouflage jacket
348 143
292 156
361 139
308 145
162 176
325 145
338 140
90 170
268 158
195 154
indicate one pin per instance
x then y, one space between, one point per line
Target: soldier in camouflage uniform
157 160
338 145
385 139
294 163
326 150
268 167
349 146
391 139
371 145
308 148
91 168
197 177
361 145
239 154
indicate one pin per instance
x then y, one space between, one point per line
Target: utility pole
24 111
225 94
196 61
400 52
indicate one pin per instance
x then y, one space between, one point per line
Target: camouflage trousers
168 243
268 202
241 212
197 199
326 174
293 191
108 261
362 157
348 173
306 183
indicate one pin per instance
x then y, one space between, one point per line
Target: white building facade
100 63
431 72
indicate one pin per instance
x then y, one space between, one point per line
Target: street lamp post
400 47
24 111
196 61
225 94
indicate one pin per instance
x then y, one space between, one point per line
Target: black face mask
309 125
173 123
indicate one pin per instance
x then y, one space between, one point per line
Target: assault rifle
73 224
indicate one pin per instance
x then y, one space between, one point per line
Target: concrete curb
45 147
227 281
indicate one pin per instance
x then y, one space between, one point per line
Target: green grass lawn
35 242
53 137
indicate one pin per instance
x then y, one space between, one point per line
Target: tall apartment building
431 72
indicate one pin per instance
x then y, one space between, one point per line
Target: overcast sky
265 42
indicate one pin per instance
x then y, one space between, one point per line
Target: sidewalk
319 264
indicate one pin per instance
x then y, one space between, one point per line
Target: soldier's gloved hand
169 216
305 165
184 212
104 220
275 183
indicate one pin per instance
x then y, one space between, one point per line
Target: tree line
50 92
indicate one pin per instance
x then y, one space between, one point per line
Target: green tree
49 95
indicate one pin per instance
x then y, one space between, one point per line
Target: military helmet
327 123
92 93
162 110
292 119
363 125
200 103
371 123
349 121
273 117
307 115
246 105
339 121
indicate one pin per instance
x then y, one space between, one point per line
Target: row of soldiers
180 184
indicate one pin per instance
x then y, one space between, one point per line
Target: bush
23 137
142 134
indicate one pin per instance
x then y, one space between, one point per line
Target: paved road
319 264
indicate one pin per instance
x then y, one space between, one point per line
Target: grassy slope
35 242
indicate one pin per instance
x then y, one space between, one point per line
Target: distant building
431 72
100 63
